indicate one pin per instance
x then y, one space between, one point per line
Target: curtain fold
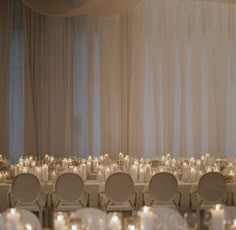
159 78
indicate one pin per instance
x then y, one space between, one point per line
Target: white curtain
160 78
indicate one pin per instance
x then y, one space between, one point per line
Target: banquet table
93 187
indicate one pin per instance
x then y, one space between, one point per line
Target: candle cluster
100 168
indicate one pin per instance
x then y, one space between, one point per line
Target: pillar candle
59 223
100 176
141 175
148 172
133 172
45 172
233 226
217 217
107 172
88 166
121 156
95 165
146 219
83 171
13 216
115 223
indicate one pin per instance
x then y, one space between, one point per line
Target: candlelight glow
60 218
218 207
13 211
145 209
115 218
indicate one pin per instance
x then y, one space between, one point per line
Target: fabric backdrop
159 78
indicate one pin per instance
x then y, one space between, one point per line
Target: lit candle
121 156
45 173
100 176
107 172
233 227
148 173
191 161
89 166
95 165
54 176
146 219
141 175
126 163
65 163
192 174
133 172
75 170
217 217
74 227
114 168
115 223
28 227
59 223
13 216
38 171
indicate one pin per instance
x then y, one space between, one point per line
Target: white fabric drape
80 7
161 78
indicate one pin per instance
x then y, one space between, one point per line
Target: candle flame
115 218
60 218
218 207
131 227
145 209
13 211
234 222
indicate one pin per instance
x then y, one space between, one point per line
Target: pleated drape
159 78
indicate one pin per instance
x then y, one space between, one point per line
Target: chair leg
41 216
198 218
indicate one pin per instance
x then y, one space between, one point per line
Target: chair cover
212 187
163 187
119 187
26 188
69 187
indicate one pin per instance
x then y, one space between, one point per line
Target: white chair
92 218
26 217
163 189
212 190
26 194
169 219
68 192
118 194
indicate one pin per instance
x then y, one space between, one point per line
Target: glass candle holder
132 223
114 221
147 218
218 217
60 220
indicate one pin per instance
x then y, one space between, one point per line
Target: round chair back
119 187
69 187
26 188
163 187
212 187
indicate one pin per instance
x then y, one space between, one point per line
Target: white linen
158 79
